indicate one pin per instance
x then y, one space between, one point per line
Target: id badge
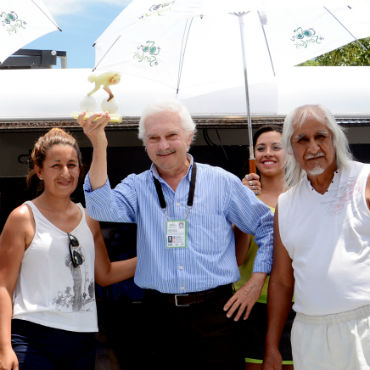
176 234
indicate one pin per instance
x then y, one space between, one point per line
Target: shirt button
178 204
182 288
181 267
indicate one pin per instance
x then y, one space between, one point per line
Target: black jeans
198 336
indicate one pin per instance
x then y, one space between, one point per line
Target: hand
8 360
245 298
272 360
93 126
252 180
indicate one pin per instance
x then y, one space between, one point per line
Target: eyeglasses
76 257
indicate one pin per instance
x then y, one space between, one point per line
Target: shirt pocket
208 233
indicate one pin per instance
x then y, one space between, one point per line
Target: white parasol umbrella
22 21
199 46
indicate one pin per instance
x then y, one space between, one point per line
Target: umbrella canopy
160 41
195 47
22 21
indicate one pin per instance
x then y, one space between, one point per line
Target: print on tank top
344 194
79 296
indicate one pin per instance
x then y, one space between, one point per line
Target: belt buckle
177 304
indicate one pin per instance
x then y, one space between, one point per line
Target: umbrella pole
252 160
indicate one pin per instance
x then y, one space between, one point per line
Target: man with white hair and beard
321 249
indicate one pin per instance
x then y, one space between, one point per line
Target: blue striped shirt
209 259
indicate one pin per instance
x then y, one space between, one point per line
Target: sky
82 22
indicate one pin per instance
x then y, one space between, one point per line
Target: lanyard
159 190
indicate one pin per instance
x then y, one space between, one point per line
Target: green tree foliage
352 54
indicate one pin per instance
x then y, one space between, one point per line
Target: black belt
188 299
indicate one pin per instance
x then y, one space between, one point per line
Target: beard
316 171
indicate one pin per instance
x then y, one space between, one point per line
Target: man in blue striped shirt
184 213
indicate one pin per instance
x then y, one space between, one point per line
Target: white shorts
332 342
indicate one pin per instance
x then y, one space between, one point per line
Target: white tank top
49 290
328 238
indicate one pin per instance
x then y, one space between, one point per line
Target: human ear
38 172
190 139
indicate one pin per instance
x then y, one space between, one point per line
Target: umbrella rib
350 33
108 50
182 56
266 41
46 15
